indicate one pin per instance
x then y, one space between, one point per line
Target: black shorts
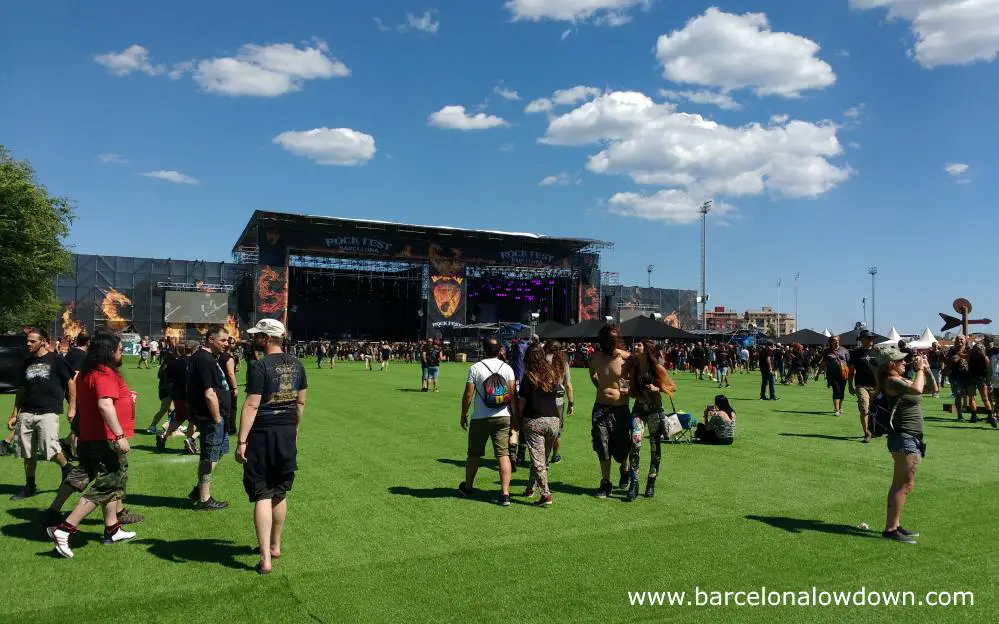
611 431
164 392
271 461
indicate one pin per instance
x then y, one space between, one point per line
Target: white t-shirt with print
477 375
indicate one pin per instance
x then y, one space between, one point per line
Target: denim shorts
214 441
432 372
904 443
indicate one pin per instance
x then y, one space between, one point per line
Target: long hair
609 339
884 373
559 360
657 372
542 374
101 352
723 404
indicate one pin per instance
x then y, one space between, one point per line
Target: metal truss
196 286
518 273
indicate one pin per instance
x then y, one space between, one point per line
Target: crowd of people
516 397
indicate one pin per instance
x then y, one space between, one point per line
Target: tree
33 225
771 330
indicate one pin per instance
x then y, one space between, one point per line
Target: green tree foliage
33 225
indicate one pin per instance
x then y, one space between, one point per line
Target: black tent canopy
806 337
549 328
586 330
645 327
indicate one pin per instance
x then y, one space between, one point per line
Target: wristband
119 438
241 444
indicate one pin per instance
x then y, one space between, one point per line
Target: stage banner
589 287
271 293
448 291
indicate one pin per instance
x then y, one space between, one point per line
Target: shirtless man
611 421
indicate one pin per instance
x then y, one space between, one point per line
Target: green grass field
376 534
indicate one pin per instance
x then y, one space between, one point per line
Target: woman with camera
905 440
719 423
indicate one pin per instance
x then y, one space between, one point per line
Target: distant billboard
195 307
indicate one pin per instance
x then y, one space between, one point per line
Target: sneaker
25 492
152 431
907 533
896 536
127 517
61 539
544 501
190 447
555 459
836 413
119 536
51 518
464 490
994 422
529 492
775 399
161 443
604 490
210 505
504 500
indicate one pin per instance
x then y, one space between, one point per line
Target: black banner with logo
446 303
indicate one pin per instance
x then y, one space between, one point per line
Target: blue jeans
766 377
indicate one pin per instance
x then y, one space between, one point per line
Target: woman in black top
905 441
648 380
835 359
538 394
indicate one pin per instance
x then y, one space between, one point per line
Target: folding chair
687 425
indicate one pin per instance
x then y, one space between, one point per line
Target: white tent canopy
827 333
893 337
923 342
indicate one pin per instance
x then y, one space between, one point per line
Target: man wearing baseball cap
863 378
268 434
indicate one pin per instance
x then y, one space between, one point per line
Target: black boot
650 488
633 489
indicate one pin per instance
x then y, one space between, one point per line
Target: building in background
722 319
767 318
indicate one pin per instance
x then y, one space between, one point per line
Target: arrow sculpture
962 307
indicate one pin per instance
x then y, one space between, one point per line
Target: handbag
671 422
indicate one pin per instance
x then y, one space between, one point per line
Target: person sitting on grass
719 425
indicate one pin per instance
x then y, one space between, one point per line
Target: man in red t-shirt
106 409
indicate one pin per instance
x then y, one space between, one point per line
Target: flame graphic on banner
272 291
200 286
174 332
673 320
232 326
71 328
109 307
202 328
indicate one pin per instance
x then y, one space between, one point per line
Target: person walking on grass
107 421
565 397
836 361
176 373
540 417
433 360
491 388
863 379
208 399
46 381
268 435
649 379
766 365
905 441
610 369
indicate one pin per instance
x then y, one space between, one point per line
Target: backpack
495 391
882 415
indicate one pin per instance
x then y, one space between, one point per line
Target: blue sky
824 137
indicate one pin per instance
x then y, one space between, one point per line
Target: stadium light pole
650 269
874 272
705 209
796 276
779 280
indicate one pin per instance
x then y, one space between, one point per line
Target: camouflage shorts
106 470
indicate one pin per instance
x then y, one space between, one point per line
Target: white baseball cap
270 327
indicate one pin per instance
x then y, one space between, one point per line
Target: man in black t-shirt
176 376
268 435
384 354
46 381
766 362
863 379
209 401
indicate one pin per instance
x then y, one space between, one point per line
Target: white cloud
854 112
171 176
654 144
778 120
455 118
506 94
111 159
329 146
381 25
424 23
506 147
134 58
733 52
604 12
561 179
268 70
563 97
721 100
541 105
670 205
179 69
947 32
565 34
957 170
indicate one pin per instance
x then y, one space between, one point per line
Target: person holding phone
719 423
